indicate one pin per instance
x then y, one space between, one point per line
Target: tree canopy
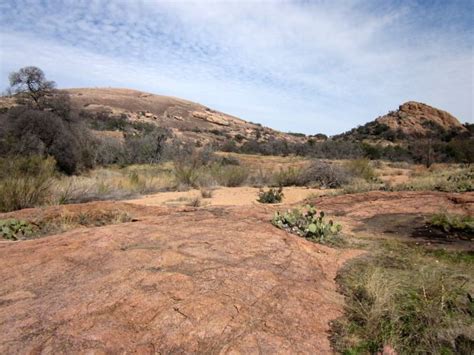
31 83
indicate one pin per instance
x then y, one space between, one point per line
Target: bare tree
31 83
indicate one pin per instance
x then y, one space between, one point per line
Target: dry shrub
194 202
186 174
260 178
229 175
291 176
113 183
206 193
25 182
324 174
190 164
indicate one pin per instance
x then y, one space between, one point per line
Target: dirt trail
180 280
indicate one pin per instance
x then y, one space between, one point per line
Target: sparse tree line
445 147
43 123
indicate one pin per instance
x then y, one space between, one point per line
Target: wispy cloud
321 66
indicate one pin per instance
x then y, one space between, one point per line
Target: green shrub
362 168
462 181
271 196
307 223
15 229
25 182
453 223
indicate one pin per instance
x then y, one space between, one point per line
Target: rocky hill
411 120
186 119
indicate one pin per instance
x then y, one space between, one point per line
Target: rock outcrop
418 119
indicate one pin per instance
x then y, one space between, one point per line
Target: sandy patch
225 196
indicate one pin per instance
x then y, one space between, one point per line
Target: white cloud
312 67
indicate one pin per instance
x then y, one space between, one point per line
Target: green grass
453 223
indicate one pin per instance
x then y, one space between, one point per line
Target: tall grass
361 168
25 182
113 183
291 176
229 175
406 298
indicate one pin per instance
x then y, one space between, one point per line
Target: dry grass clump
25 182
38 227
359 185
194 202
291 176
206 193
68 221
260 177
407 299
361 168
185 174
229 175
113 183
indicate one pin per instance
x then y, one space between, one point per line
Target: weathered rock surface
209 280
217 280
418 119
193 121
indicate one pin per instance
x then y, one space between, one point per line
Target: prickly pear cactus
307 223
14 229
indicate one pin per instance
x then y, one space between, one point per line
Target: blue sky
304 66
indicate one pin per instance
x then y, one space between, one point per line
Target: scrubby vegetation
361 168
413 300
15 229
291 176
440 178
25 182
74 158
307 223
454 223
43 123
326 175
271 195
